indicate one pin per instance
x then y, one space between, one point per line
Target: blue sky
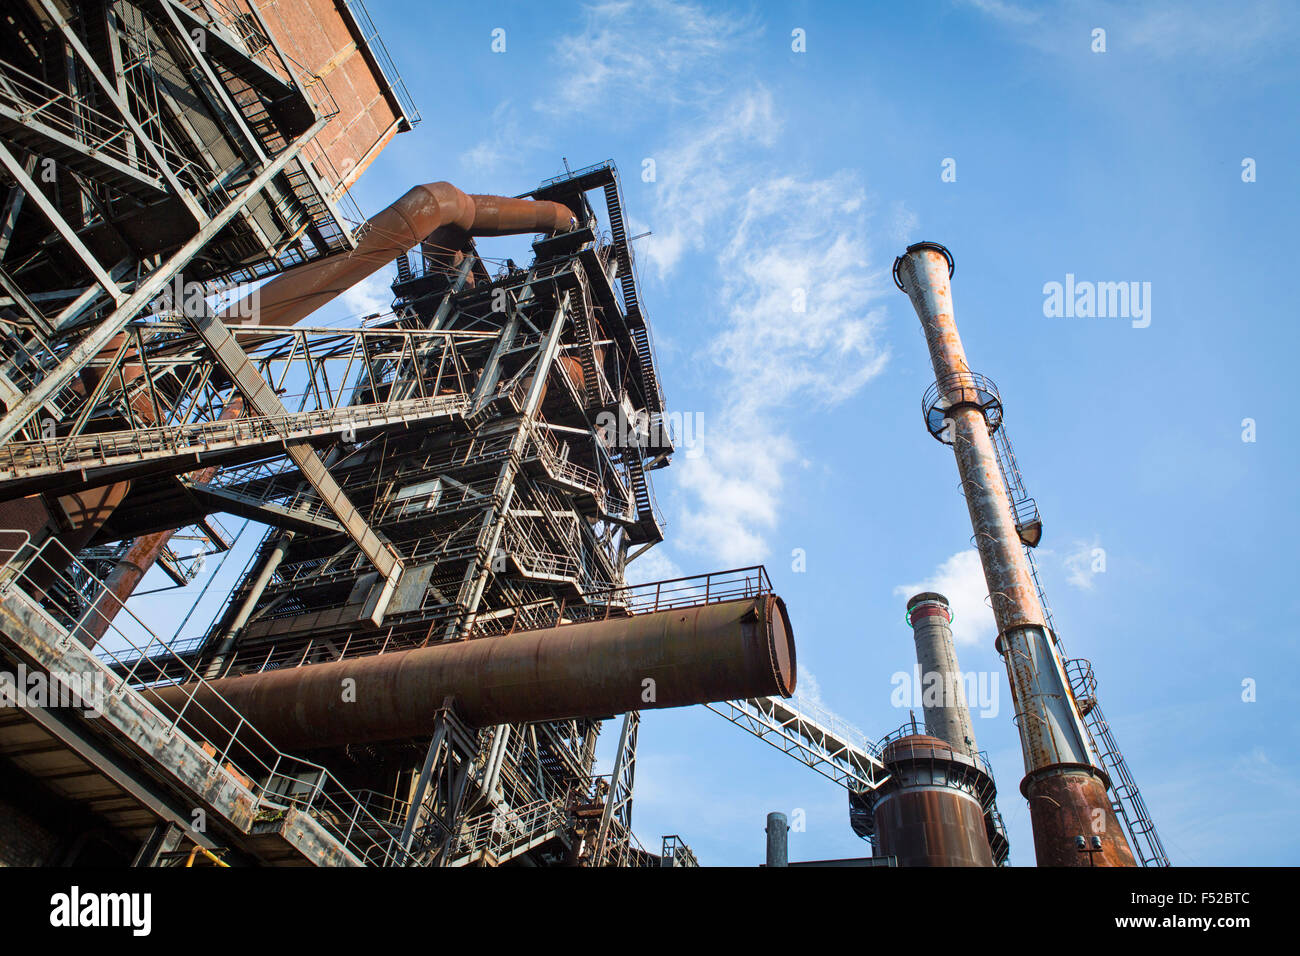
777 171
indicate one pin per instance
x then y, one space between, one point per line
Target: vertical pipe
943 696
778 840
1066 789
269 567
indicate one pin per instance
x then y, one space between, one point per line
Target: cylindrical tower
943 697
1066 789
778 837
931 810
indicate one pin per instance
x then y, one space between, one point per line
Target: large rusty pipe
1052 734
723 651
297 293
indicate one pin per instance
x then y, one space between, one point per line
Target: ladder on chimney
1126 799
1029 525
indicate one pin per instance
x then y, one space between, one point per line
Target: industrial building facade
435 626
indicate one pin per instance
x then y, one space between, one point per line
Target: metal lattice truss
143 140
617 814
815 738
504 471
475 463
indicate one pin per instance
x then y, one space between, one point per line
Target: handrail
131 659
97 130
500 829
103 448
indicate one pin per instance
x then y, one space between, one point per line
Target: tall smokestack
1065 787
943 696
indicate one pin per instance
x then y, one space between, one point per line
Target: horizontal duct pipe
695 655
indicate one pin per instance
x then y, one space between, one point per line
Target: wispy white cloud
1007 12
695 177
798 310
628 50
733 490
961 580
506 147
1262 773
372 295
654 565
1209 32
807 688
1083 563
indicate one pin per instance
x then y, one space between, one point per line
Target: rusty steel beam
694 655
1052 734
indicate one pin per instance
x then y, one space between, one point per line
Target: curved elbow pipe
295 294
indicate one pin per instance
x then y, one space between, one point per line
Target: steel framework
475 463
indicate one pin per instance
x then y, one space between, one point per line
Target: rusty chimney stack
947 715
1064 784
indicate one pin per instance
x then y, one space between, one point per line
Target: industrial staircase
647 528
271 807
631 306
592 385
56 126
501 834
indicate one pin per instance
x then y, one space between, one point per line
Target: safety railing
370 36
502 829
533 557
600 602
692 591
27 364
911 729
959 388
179 649
623 849
577 173
300 501
132 659
840 729
38 102
675 852
559 467
447 498
109 447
